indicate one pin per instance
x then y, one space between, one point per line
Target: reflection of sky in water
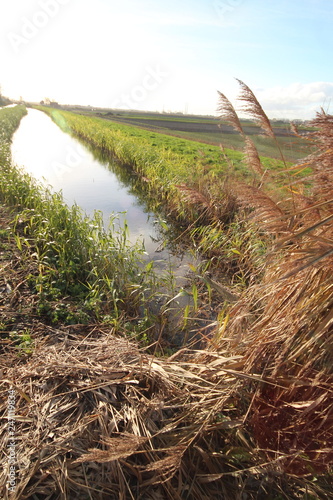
47 152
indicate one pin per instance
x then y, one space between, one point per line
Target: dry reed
283 327
98 418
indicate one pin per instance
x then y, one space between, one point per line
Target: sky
169 55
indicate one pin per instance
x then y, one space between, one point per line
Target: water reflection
84 175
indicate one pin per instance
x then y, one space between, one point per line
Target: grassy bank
191 182
9 121
165 162
100 275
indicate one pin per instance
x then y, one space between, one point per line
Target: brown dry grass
98 418
283 327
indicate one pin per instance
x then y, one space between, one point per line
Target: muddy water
59 160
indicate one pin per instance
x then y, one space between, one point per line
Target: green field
147 149
211 130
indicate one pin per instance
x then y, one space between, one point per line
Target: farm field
211 130
152 152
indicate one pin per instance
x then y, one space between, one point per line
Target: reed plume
264 210
322 162
254 109
227 112
289 338
252 158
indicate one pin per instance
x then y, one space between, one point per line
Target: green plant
23 341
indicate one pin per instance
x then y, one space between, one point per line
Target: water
62 162
59 160
87 179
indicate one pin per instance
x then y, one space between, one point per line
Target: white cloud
298 100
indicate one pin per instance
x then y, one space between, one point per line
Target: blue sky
170 55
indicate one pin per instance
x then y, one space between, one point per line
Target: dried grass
283 327
227 112
98 418
322 161
290 345
254 109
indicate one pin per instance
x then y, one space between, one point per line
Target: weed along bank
119 383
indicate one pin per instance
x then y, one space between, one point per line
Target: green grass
9 121
293 147
77 258
180 119
167 146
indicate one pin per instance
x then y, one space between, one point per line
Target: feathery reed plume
203 202
194 197
322 163
324 135
253 107
227 112
210 207
265 210
252 157
294 129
